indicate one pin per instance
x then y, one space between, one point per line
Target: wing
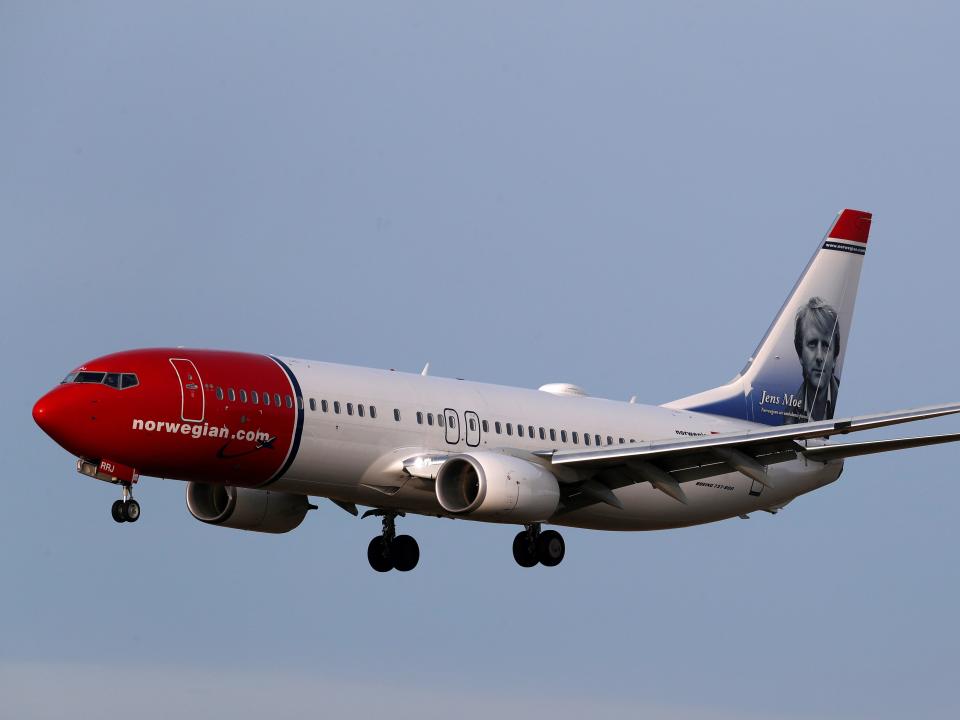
667 464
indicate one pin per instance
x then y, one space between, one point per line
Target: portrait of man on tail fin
817 341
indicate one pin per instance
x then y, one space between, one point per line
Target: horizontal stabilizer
845 450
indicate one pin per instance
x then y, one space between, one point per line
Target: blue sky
617 195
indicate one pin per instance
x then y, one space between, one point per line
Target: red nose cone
49 414
41 413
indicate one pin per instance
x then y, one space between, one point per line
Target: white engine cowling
498 487
246 508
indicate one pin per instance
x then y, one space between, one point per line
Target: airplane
255 436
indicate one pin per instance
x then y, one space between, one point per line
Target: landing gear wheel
117 511
378 555
131 510
404 552
525 549
550 548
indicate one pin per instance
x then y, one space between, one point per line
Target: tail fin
794 374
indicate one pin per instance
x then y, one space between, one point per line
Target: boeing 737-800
254 436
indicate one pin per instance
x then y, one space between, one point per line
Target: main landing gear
531 546
127 509
390 551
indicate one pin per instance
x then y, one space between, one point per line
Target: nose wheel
126 509
531 546
389 551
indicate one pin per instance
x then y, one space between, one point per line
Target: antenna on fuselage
426 369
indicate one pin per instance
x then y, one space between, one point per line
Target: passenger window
128 380
485 425
553 435
586 439
255 396
243 395
621 441
288 401
349 408
509 429
520 430
373 412
266 398
231 395
440 420
609 440
396 414
336 407
219 393
453 421
530 432
419 417
429 418
113 380
313 405
563 435
276 399
575 437
360 409
632 440
496 427
472 423
543 435
324 406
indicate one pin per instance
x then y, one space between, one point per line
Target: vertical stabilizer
794 374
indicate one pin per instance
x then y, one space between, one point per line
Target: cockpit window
89 377
120 381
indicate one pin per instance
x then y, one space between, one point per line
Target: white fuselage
358 459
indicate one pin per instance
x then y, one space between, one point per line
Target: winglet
852 225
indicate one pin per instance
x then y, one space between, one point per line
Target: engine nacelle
497 487
246 508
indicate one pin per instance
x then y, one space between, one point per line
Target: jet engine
487 485
245 508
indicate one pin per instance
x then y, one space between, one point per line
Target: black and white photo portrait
817 341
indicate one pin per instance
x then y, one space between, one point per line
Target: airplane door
472 429
191 390
453 426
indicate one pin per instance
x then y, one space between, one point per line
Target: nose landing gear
127 509
531 546
389 551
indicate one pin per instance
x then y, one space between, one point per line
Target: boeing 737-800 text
255 435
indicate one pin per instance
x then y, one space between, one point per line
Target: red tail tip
852 225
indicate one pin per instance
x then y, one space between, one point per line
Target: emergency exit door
453 425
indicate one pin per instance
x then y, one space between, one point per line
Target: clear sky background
618 195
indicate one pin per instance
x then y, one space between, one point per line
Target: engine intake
495 486
246 508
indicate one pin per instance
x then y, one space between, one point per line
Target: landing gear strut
389 551
531 546
126 509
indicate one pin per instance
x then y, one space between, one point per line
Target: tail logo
794 374
816 339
